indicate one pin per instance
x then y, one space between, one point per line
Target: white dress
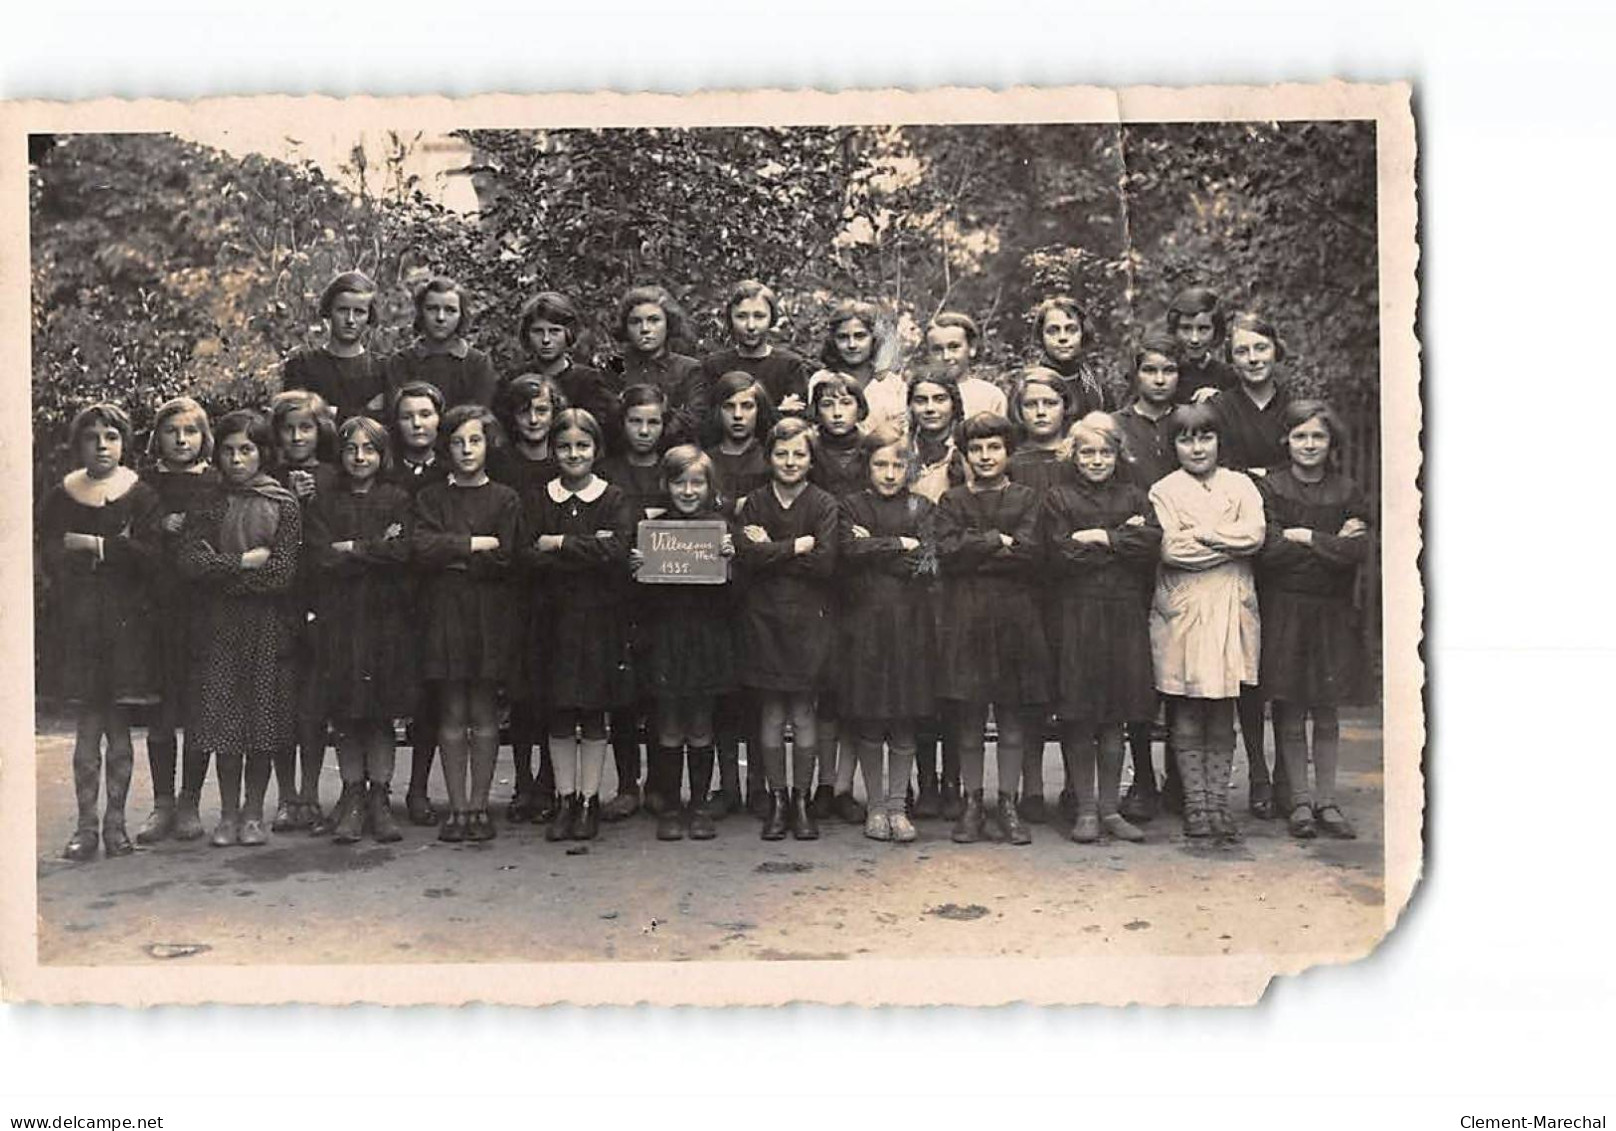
1204 631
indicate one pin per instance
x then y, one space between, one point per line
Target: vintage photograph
764 550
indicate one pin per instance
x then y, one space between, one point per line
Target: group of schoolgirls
911 553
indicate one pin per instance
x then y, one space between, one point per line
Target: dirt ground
628 896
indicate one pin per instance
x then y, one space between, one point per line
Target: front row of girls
909 579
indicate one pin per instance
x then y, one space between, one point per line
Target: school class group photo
922 557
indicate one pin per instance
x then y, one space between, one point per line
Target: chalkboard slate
682 553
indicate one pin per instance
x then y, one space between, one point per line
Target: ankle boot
565 819
587 826
160 825
1010 826
778 816
382 825
349 814
969 827
670 824
188 819
82 845
803 824
702 813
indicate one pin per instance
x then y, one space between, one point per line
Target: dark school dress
468 597
354 386
1312 648
1208 374
838 465
1150 454
414 476
305 596
991 646
738 475
788 630
509 466
1252 436
243 694
364 647
784 373
642 485
1041 469
1088 388
1101 645
463 375
178 493
679 378
889 625
579 594
686 641
103 624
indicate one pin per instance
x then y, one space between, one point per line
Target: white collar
98 492
594 489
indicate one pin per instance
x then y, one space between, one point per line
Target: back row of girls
416 521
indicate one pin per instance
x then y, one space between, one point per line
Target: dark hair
1038 375
442 285
349 283
1299 412
102 412
752 288
180 406
523 390
415 389
950 319
288 401
1063 302
738 381
583 421
462 414
1252 323
641 394
987 426
851 310
1155 341
655 296
1192 301
374 432
932 375
840 383
1195 418
254 425
548 306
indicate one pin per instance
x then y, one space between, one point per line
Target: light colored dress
1204 631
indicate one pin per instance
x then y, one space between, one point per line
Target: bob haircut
687 457
524 390
349 283
374 432
752 288
652 295
886 436
463 414
1252 323
580 420
839 383
442 285
245 422
951 319
548 306
1299 412
1195 418
180 406
851 310
289 401
1067 305
1158 342
932 375
789 428
1038 375
987 426
1101 426
739 381
1192 301
102 412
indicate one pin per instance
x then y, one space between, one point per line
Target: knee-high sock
229 767
1078 738
1110 767
867 752
194 771
900 762
87 771
1251 733
162 756
120 768
258 768
311 757
701 771
1326 751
